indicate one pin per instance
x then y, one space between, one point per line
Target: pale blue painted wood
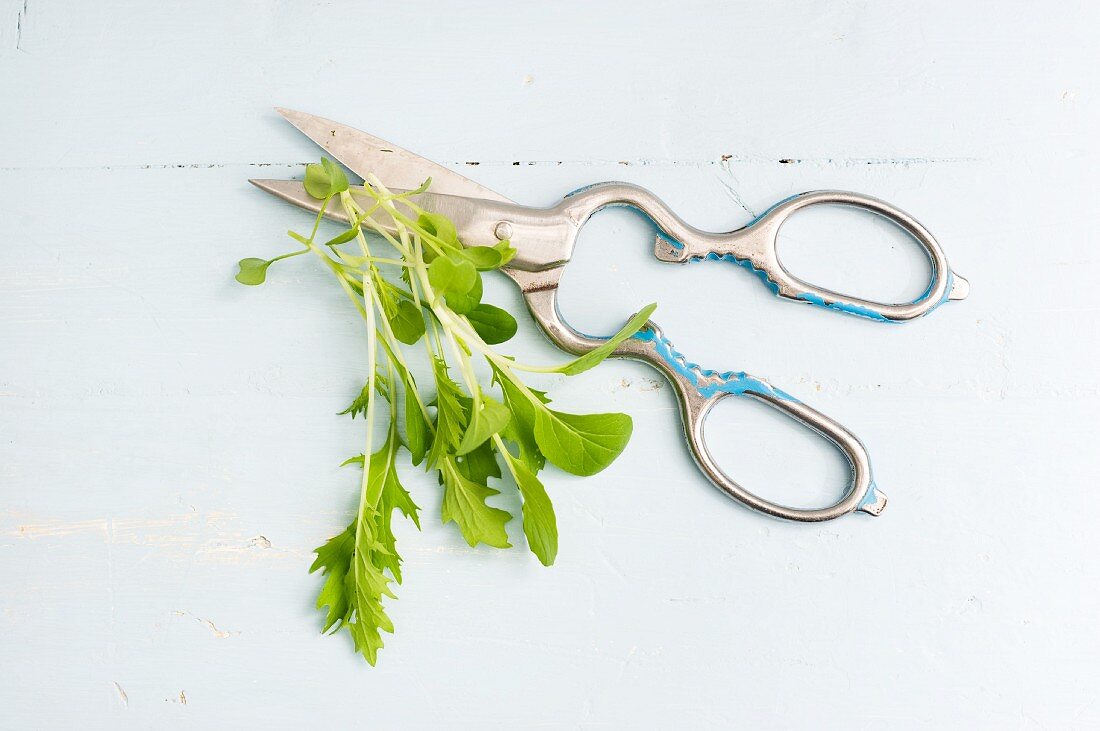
168 443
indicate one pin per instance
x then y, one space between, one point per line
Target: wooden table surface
169 447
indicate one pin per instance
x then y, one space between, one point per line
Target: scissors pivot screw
503 230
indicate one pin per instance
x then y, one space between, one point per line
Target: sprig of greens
462 431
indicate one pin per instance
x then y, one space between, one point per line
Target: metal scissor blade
395 167
292 191
473 218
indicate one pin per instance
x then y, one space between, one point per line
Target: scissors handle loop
699 390
755 246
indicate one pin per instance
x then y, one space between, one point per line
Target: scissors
545 239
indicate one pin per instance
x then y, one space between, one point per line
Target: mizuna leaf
416 427
539 522
521 427
490 419
464 503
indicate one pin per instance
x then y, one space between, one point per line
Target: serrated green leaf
490 419
356 561
359 405
450 416
334 560
253 271
581 444
479 464
594 357
464 504
493 324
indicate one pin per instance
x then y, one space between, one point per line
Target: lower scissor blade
292 191
474 227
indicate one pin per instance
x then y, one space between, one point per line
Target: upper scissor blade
395 167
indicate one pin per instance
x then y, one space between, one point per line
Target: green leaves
356 561
594 357
344 237
581 444
489 419
540 525
416 425
359 405
325 180
253 271
464 503
439 226
458 281
462 432
493 324
407 322
484 258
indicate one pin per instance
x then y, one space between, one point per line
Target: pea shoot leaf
484 258
325 180
439 226
344 237
507 251
493 324
458 281
407 322
253 271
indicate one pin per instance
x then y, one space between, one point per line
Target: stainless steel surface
545 239
541 292
397 168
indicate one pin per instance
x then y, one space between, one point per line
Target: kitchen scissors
545 238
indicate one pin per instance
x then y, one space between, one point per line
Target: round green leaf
493 324
484 258
253 271
407 322
439 226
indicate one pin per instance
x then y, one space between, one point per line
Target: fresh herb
461 431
